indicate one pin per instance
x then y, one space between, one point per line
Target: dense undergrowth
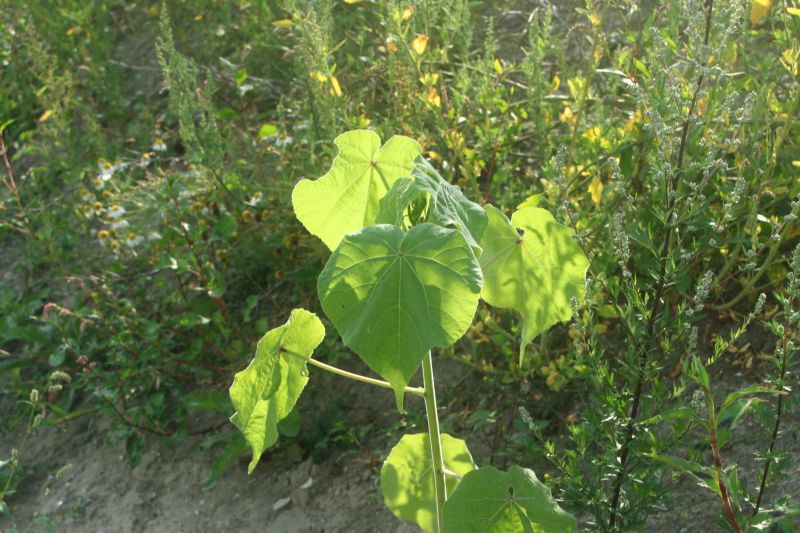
148 239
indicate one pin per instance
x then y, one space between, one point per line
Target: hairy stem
435 438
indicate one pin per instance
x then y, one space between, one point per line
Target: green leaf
267 130
489 500
393 296
748 391
216 283
391 208
407 477
531 264
449 206
704 475
346 198
266 391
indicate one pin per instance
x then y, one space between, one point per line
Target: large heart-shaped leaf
407 477
393 296
489 500
346 198
266 391
531 264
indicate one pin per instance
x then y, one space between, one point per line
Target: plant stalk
358 377
435 437
776 428
723 490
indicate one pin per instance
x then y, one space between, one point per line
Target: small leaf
759 9
446 206
266 391
392 207
393 296
407 477
532 265
335 87
216 283
283 23
449 206
531 201
47 114
596 190
267 130
706 476
748 391
346 199
419 44
488 499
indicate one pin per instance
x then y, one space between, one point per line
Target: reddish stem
723 490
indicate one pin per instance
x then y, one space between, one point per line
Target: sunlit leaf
419 44
531 264
266 391
335 87
759 9
393 296
346 198
489 500
448 205
407 477
596 190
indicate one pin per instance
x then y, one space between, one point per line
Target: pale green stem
435 438
358 377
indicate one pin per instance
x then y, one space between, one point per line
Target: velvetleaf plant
411 257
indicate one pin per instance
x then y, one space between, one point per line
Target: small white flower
106 172
119 224
116 211
86 196
133 240
159 146
98 183
284 141
96 209
154 236
255 199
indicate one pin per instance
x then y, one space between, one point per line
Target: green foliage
407 477
147 218
394 293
